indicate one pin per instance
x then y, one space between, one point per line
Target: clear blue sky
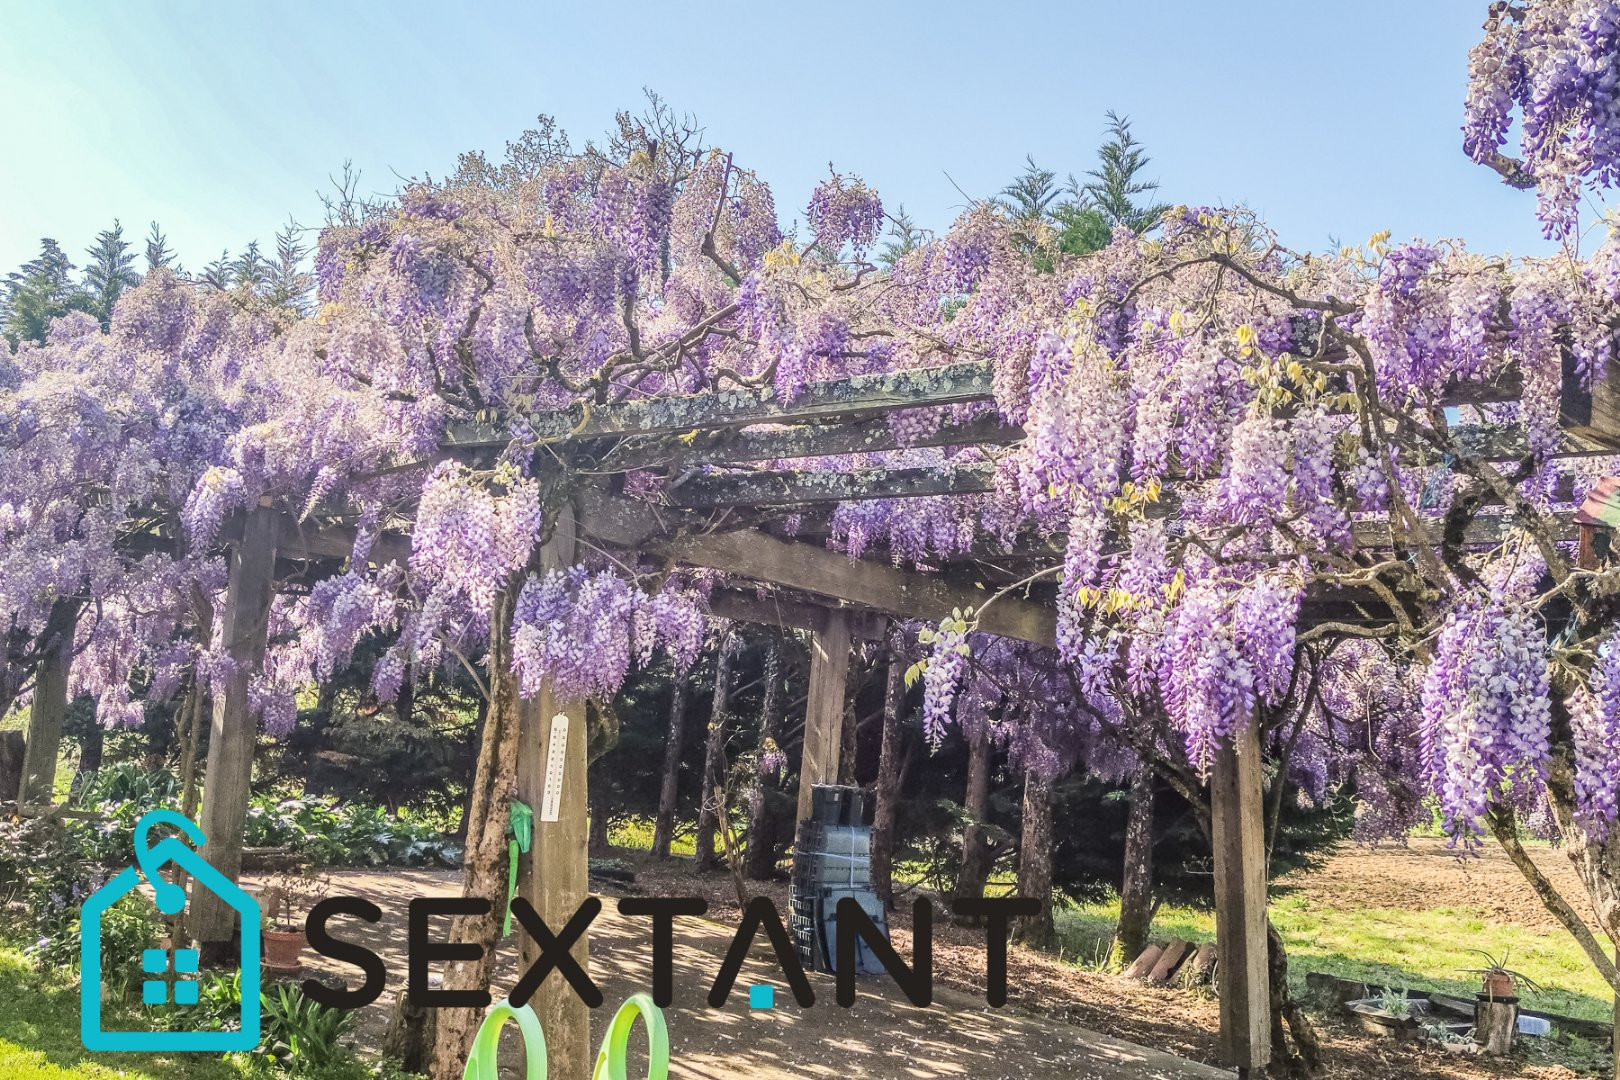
221 119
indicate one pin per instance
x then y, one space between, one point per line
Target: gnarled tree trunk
484 866
1287 1018
49 710
886 799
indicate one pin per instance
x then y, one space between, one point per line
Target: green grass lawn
637 835
1417 950
39 1037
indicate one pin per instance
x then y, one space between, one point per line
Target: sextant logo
173 974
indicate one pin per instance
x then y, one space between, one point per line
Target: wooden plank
767 487
234 730
824 709
1482 531
1170 961
1143 966
1237 805
767 611
852 398
49 709
554 876
1509 442
872 585
778 443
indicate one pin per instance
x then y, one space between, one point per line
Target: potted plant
286 901
1498 982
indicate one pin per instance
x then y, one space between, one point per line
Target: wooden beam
824 709
777 443
1483 530
1510 442
1237 803
554 876
851 398
49 709
767 487
234 731
813 569
768 611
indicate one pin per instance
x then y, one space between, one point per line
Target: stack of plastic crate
832 860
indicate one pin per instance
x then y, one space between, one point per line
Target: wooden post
554 877
233 732
1237 806
45 716
824 710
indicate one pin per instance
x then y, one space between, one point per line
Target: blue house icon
181 962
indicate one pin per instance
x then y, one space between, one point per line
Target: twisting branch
1505 827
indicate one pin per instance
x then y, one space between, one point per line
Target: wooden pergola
717 512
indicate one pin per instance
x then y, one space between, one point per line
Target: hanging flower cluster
469 539
1486 705
1595 716
582 630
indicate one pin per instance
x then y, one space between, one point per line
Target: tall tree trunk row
1035 861
976 854
1136 891
664 825
759 859
714 755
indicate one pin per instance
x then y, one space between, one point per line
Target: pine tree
41 290
221 272
904 238
251 268
158 255
290 284
109 272
1030 198
1114 188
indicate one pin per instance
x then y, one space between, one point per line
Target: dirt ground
1056 1012
1427 874
1423 875
882 1035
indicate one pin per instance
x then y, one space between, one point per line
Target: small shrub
300 1032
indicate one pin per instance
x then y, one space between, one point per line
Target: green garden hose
520 823
612 1063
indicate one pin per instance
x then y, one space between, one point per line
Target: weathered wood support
813 569
789 487
554 876
867 436
49 710
824 710
1237 806
852 398
234 731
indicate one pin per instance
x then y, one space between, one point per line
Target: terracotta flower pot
284 949
1499 985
